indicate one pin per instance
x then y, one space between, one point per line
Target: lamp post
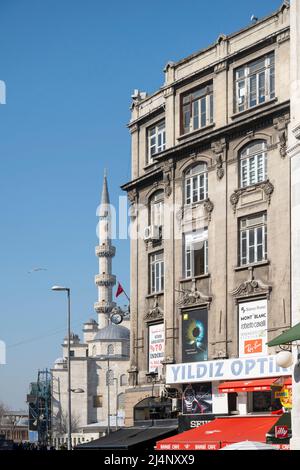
68 290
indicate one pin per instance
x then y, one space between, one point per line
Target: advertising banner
194 335
197 399
253 328
156 346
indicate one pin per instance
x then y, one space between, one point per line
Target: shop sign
281 432
194 335
227 369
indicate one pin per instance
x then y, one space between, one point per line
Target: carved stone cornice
193 296
133 128
155 313
168 92
281 126
251 287
282 37
218 149
220 67
266 186
296 131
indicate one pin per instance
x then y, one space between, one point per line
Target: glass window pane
203 112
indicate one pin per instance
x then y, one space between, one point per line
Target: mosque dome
113 332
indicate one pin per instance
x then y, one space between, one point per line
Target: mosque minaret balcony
104 307
105 250
105 279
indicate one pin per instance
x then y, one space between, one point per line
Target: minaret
105 280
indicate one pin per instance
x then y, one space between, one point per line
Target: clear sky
70 67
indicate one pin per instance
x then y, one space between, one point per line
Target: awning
256 385
293 334
129 438
220 432
281 432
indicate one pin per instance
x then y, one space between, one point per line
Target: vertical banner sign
156 346
253 328
194 336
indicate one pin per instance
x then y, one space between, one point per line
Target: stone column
294 154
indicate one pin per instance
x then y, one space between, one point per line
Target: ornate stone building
210 216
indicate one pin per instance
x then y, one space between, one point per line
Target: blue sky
70 68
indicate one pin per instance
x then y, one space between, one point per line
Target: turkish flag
119 290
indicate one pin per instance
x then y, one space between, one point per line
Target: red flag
119 290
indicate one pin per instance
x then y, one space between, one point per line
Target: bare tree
60 424
3 413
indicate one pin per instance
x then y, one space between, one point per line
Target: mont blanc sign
228 369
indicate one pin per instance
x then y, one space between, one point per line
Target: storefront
241 386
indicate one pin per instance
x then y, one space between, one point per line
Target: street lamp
68 290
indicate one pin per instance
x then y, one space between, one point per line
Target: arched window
110 349
121 401
253 163
157 208
94 350
196 183
123 379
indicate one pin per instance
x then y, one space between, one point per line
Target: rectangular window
156 140
196 253
197 109
253 239
156 272
255 83
97 401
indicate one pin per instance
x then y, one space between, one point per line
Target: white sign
227 369
156 346
253 328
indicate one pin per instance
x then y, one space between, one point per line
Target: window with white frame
196 253
197 109
157 208
156 140
255 83
156 272
253 239
196 183
253 163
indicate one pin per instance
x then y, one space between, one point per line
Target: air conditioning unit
152 232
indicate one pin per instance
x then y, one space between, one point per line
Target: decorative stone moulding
218 149
155 312
168 175
296 131
281 126
105 280
193 296
266 186
100 308
105 251
209 207
251 287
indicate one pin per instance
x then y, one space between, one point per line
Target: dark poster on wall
194 335
197 399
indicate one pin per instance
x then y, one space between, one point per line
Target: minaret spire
105 280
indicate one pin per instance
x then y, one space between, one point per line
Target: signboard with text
156 346
253 328
225 369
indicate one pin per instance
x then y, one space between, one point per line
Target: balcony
106 280
105 250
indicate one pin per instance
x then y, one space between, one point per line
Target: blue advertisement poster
194 335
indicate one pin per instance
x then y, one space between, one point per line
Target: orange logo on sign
253 346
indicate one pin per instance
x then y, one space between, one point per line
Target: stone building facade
210 215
